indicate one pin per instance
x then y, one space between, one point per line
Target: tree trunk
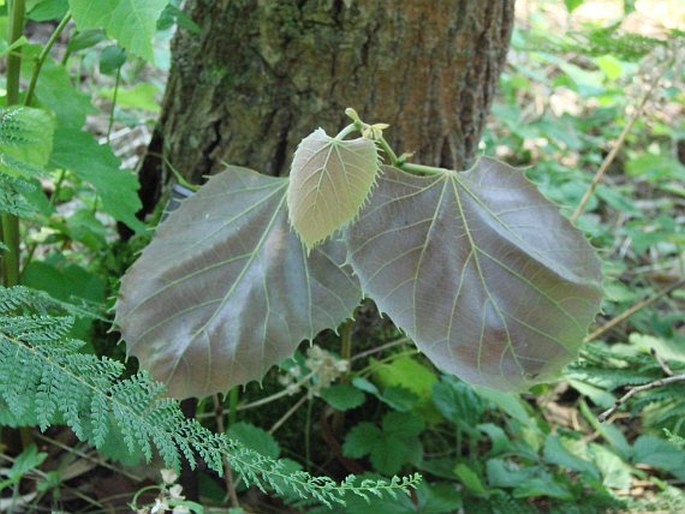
263 74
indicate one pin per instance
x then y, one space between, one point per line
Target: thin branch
629 312
38 64
283 392
378 349
639 389
617 146
290 412
228 476
664 365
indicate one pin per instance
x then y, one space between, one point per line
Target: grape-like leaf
226 289
131 22
329 180
483 272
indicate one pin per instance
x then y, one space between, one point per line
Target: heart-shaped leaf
225 289
483 272
329 180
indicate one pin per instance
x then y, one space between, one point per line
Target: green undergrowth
375 409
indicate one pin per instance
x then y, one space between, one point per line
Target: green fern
44 379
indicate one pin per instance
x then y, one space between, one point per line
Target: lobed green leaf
483 272
225 290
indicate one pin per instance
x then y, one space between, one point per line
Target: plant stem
629 312
289 413
345 353
421 169
233 397
392 156
346 131
43 55
16 18
228 476
617 146
114 104
308 434
268 399
10 223
346 343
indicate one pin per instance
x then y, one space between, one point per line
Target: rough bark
263 74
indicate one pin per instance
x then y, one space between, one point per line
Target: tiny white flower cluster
168 498
325 369
291 380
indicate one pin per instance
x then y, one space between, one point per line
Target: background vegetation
591 100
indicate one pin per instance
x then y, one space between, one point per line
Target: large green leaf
131 22
225 289
78 152
329 180
486 276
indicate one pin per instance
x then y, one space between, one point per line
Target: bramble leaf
225 290
96 164
330 179
131 22
483 272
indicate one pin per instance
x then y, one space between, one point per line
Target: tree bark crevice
262 75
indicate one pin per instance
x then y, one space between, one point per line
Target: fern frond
44 379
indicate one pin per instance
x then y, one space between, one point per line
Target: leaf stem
397 162
228 475
10 223
617 146
389 152
268 399
38 64
352 127
117 82
421 169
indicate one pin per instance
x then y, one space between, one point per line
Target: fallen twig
639 389
629 312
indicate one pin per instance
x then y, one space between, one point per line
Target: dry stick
652 385
614 151
638 389
664 365
230 486
638 306
290 412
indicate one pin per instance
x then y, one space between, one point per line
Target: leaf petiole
346 131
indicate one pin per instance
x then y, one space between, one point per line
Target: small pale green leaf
470 479
480 270
131 22
26 135
342 396
361 440
330 179
226 289
402 424
660 454
255 438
